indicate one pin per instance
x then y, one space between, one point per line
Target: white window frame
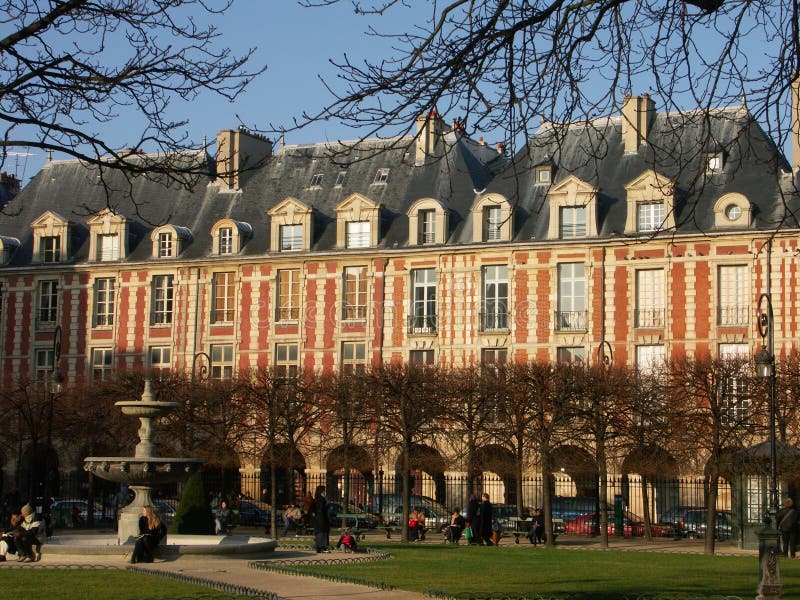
573 355
492 223
43 364
494 316
162 299
50 248
734 293
47 303
427 226
650 358
649 216
221 361
381 177
291 237
105 293
223 309
423 300
165 244
102 363
571 222
316 180
356 292
108 247
287 360
354 357
358 234
650 298
160 358
288 296
571 314
225 243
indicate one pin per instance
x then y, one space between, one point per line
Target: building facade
640 235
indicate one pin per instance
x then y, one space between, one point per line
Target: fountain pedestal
144 470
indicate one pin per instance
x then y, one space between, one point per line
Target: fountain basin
176 544
141 471
140 408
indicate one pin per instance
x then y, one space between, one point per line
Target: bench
390 529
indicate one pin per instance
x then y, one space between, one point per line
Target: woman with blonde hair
151 531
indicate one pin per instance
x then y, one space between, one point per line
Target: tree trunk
648 533
709 543
406 488
547 502
602 495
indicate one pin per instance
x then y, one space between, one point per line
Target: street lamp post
53 385
380 494
768 536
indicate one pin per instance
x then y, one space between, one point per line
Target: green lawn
584 574
100 584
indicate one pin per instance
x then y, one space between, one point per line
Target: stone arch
427 472
650 480
290 474
575 471
355 485
501 484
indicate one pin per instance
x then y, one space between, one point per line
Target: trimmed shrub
194 513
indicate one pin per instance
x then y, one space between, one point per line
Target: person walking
485 520
322 520
473 513
787 518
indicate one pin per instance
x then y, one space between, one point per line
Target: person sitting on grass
347 542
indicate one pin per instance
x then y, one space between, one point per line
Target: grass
101 584
575 574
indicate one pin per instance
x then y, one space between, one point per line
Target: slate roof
677 148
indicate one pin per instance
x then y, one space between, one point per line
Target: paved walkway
234 570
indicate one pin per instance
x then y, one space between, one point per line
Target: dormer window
316 180
290 226
732 210
650 204
573 209
169 240
108 236
107 247
491 219
381 177
543 174
225 240
357 222
715 162
7 247
649 216
358 234
50 249
427 222
50 238
164 245
229 236
572 222
291 238
340 179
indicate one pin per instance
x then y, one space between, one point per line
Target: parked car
722 530
676 516
353 517
74 513
166 510
568 508
632 525
251 512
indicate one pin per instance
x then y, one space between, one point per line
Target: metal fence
380 494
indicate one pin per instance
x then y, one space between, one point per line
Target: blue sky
296 44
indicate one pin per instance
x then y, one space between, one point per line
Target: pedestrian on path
787 524
322 520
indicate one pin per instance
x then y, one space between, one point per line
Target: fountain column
143 470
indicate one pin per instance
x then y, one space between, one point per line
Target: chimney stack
638 113
239 150
430 129
795 124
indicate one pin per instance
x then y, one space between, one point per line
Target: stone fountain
144 470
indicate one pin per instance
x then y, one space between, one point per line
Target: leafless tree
469 407
720 414
597 410
344 419
533 407
69 68
402 398
788 395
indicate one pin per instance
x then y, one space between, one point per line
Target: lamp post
53 384
605 357
770 586
380 494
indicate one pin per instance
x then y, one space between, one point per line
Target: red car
632 525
